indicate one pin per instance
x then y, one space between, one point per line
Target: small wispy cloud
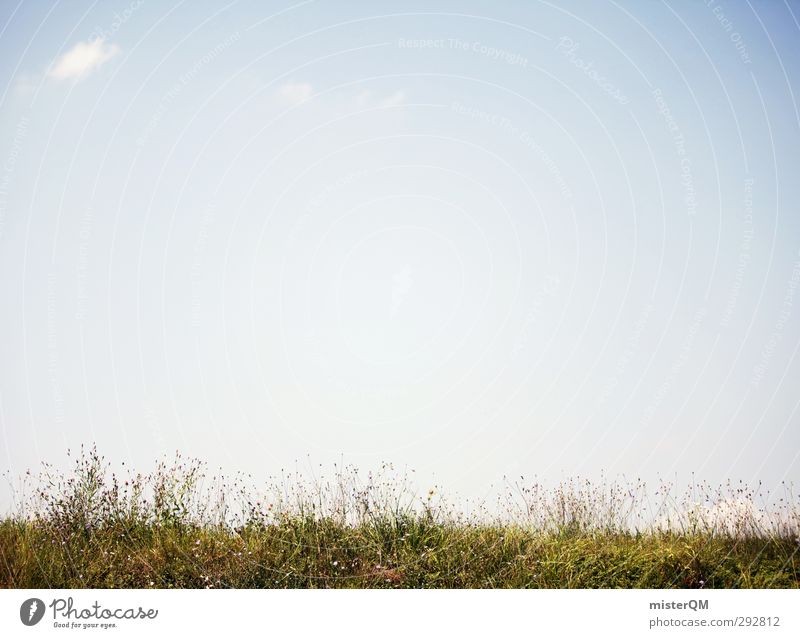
82 59
396 98
367 98
295 93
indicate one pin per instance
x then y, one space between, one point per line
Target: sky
473 239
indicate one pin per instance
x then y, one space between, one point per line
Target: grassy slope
165 529
414 554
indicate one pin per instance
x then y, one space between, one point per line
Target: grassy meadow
179 526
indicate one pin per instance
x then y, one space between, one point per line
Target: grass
179 527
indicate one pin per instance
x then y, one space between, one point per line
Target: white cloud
398 97
367 98
82 59
295 93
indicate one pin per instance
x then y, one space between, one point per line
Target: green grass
175 527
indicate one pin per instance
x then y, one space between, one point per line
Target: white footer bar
399 613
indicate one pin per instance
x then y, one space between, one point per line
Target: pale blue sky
476 239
